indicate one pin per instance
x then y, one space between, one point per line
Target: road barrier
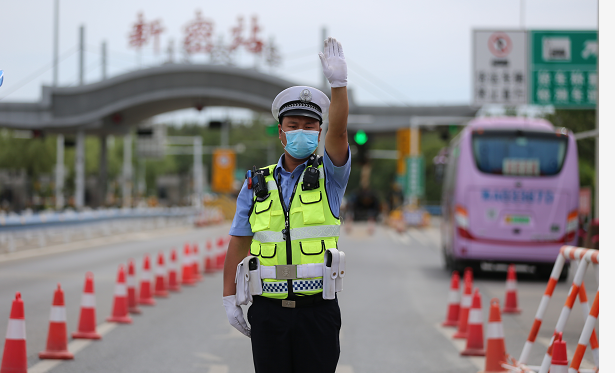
452 313
131 287
87 316
585 257
474 342
15 358
588 330
57 341
510 306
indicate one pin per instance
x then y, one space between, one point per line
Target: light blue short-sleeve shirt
336 182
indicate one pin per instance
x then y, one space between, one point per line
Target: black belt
297 302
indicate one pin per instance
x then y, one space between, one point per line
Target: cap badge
306 95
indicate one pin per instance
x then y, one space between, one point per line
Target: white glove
234 313
334 64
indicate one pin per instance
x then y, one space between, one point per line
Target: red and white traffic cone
187 268
173 283
131 286
221 254
474 342
145 288
464 311
496 349
195 263
87 318
510 306
161 272
559 363
452 315
120 302
57 343
209 259
15 358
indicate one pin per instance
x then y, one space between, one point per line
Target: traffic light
362 142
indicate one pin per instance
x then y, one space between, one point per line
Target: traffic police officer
291 226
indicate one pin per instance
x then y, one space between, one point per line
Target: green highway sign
563 68
272 130
415 184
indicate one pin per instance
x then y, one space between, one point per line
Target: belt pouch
256 284
330 274
242 276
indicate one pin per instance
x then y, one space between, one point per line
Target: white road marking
218 369
208 356
460 345
344 369
74 347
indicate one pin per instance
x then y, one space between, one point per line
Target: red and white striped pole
593 340
588 330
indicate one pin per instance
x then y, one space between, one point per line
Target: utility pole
81 53
59 192
127 171
198 170
103 62
56 41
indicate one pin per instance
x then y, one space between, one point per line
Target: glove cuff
339 83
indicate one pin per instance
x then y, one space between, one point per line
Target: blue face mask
301 143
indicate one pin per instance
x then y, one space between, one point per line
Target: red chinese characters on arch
199 35
142 31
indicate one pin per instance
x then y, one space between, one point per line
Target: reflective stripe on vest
312 228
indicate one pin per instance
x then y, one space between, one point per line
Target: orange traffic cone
87 318
57 344
161 272
221 254
15 359
496 350
466 302
209 259
187 268
195 263
145 288
474 343
511 291
452 315
131 286
559 363
120 301
173 284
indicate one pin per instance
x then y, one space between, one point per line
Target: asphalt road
394 299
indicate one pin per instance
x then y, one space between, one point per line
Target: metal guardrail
49 219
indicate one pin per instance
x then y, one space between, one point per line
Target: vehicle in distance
510 194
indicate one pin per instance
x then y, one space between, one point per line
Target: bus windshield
519 153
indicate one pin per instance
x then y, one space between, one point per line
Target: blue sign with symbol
1 77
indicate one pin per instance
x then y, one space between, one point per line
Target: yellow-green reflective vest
312 229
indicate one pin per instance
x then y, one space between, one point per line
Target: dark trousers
295 340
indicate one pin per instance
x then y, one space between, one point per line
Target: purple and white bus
510 194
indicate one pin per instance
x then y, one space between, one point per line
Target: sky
398 52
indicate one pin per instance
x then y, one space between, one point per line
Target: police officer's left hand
234 313
334 64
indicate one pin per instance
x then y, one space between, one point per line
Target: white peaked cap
301 100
